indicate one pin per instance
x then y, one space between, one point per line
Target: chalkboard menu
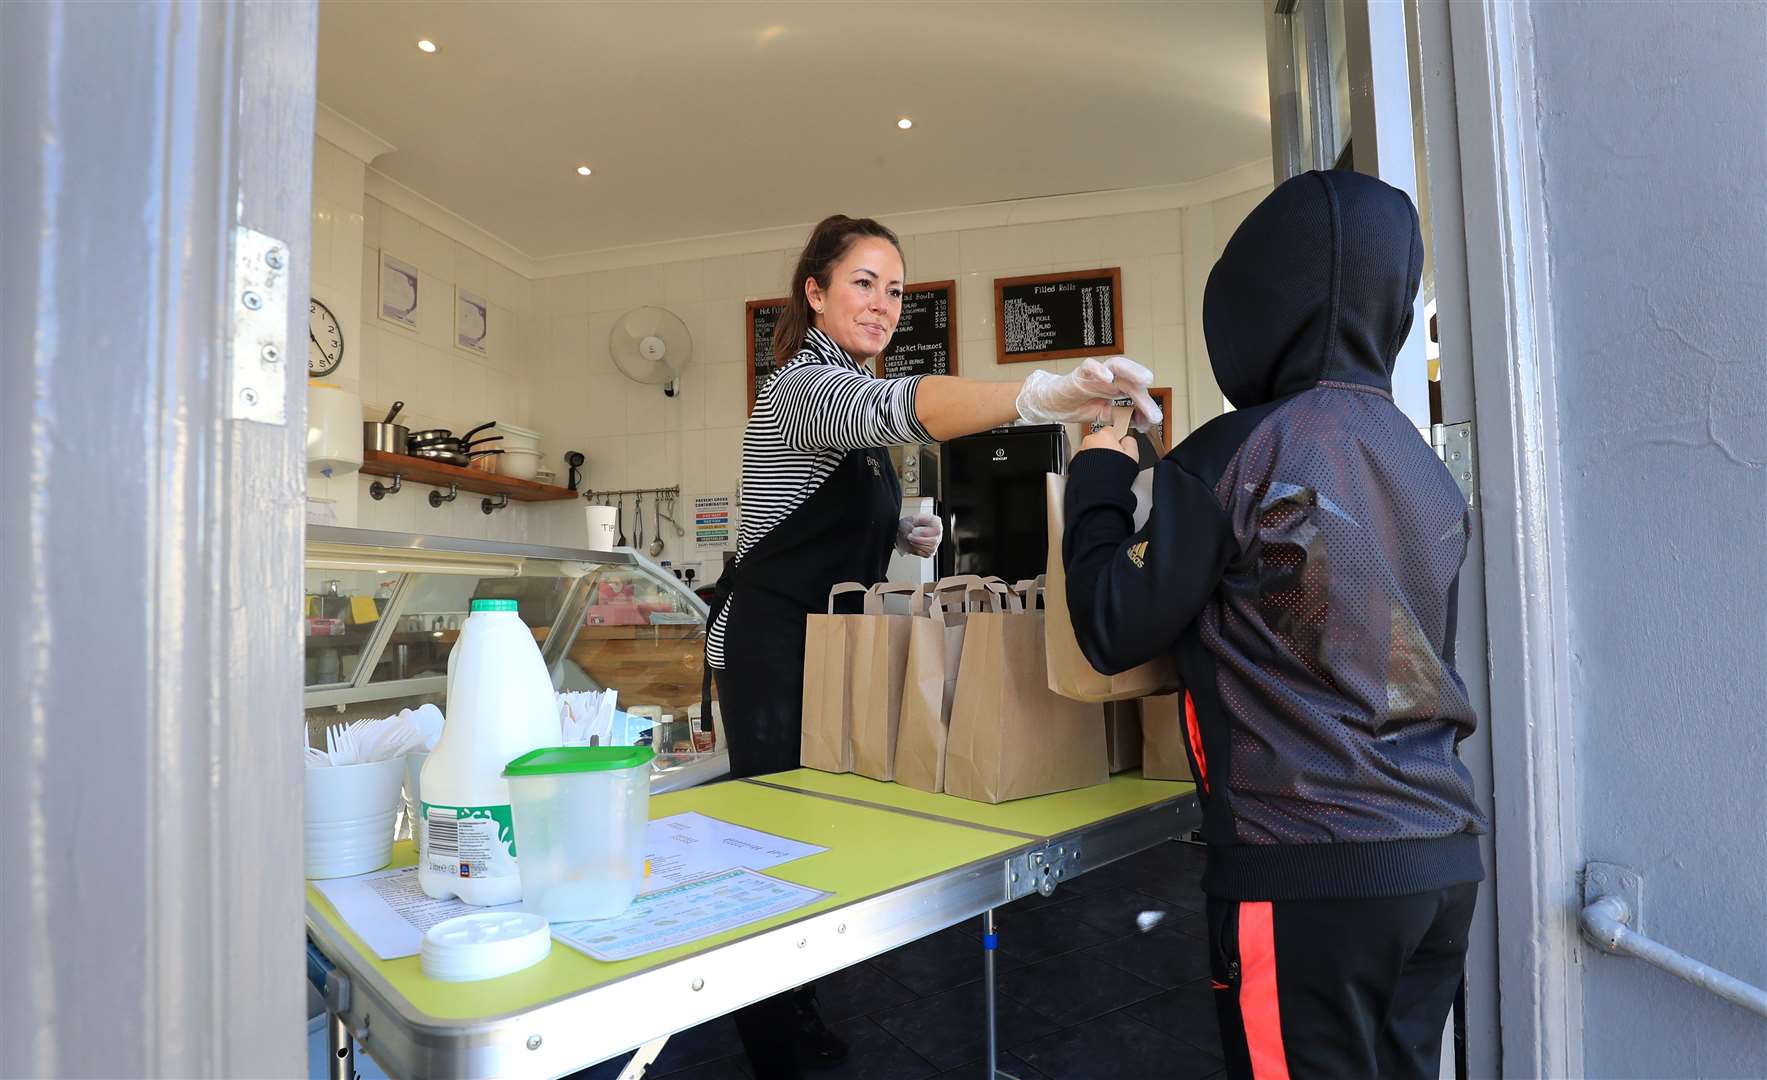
925 342
1058 316
760 318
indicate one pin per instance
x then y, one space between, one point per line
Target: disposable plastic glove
1085 394
919 535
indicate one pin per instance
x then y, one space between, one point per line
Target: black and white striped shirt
809 415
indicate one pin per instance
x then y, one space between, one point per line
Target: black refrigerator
991 498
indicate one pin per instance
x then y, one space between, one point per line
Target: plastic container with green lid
580 815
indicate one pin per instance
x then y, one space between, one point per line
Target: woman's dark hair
827 245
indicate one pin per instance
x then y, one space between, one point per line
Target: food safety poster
714 522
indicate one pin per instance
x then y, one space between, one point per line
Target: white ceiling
702 119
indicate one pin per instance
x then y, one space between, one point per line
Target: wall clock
325 340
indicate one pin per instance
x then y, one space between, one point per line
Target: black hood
1316 285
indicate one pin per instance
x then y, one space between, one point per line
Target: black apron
846 531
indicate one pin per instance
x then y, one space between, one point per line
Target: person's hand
1085 394
1105 438
919 535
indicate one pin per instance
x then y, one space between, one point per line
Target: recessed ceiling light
583 170
904 123
426 45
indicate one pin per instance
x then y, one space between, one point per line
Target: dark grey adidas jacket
1301 560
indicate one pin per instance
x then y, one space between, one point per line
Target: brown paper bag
1011 736
935 647
829 642
1163 737
1122 735
880 660
1070 673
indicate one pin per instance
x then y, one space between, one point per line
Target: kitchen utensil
453 457
670 518
428 435
638 519
656 543
386 436
619 523
518 437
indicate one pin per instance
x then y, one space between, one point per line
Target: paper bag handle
874 597
1031 589
844 587
990 590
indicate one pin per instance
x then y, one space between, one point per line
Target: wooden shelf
435 474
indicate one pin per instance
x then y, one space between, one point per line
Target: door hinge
1453 443
258 310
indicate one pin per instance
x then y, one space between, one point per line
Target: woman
821 505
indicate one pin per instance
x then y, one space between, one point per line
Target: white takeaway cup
604 529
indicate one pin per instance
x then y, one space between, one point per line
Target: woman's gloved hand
919 535
1085 394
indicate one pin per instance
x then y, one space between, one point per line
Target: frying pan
453 457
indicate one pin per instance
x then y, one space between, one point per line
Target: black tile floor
1082 993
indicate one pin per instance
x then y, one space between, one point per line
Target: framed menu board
759 319
925 342
1058 316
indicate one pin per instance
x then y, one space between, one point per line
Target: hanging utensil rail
612 493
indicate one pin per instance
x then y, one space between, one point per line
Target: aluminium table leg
991 941
343 1059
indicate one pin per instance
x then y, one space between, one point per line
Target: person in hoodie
1301 561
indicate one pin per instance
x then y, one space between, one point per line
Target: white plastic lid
484 945
511 429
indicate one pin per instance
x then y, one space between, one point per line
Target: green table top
1044 817
871 850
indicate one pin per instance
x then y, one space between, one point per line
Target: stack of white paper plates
484 945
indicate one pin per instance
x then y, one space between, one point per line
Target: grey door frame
152 542
1494 308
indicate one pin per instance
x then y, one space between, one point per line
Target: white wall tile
975 304
725 328
1168 290
984 249
1137 292
608 291
681 283
602 402
722 277
692 465
646 286
761 276
935 257
1168 357
648 411
604 461
726 394
653 461
595 357
371 222
723 459
690 397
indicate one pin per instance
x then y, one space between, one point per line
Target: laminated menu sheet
687 912
390 912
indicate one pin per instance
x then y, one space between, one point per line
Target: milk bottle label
469 841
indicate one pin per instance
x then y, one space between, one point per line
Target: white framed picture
471 321
398 291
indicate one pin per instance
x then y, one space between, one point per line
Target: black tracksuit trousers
1335 989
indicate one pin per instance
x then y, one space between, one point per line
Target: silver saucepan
384 435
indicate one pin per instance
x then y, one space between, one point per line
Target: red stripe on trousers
1195 734
1258 1008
